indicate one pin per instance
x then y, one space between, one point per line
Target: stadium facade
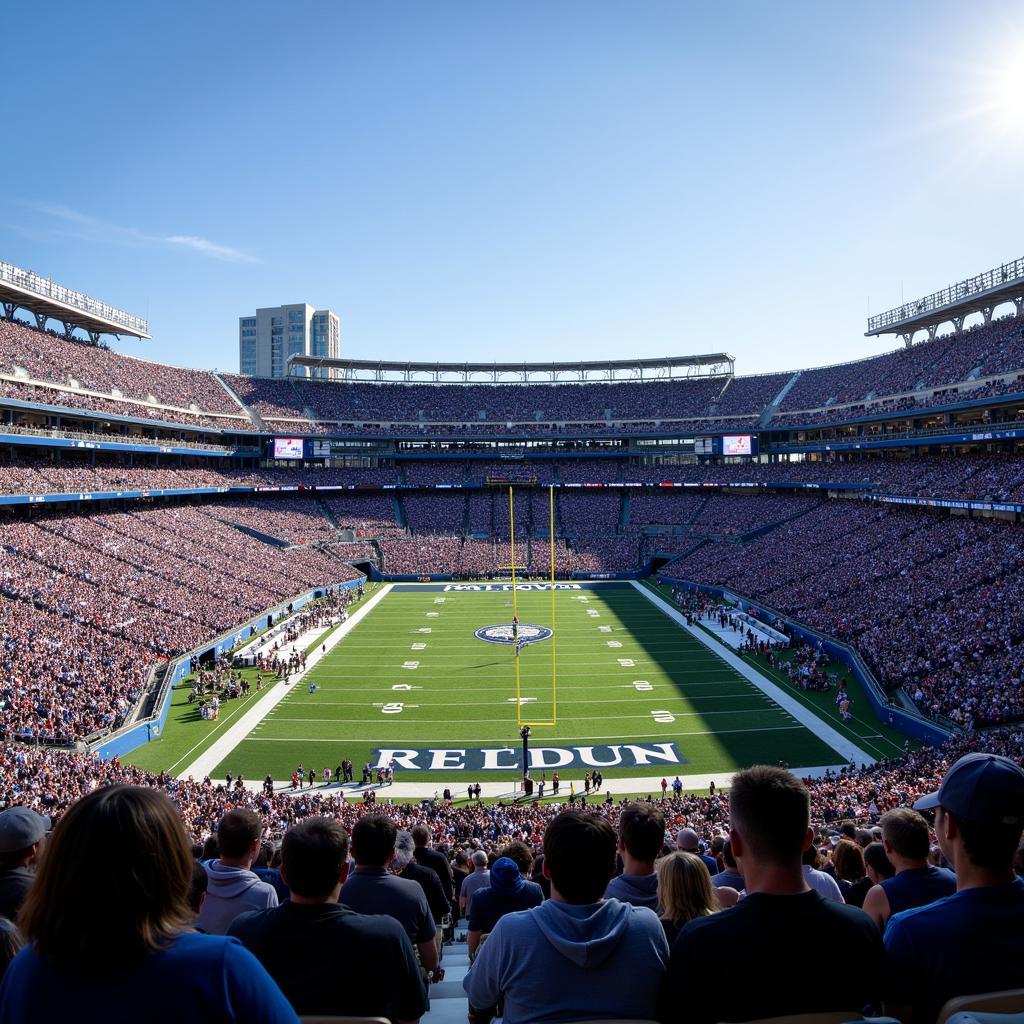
908 465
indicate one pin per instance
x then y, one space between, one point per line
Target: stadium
377 686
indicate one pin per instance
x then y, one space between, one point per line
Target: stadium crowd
942 369
927 599
90 603
666 893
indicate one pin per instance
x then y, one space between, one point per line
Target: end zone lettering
484 759
505 587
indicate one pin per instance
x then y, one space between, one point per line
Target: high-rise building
266 340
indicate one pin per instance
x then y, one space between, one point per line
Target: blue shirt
490 905
917 887
204 979
967 943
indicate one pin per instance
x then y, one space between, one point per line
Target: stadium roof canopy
670 367
22 289
978 294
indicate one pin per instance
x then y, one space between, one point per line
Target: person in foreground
778 926
576 956
234 887
916 882
314 867
972 941
370 889
508 892
109 928
641 837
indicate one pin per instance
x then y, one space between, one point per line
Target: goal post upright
553 720
515 606
515 603
551 539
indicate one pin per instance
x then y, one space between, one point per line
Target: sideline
807 718
224 745
402 791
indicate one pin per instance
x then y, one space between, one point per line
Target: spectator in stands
972 941
266 873
850 873
437 862
10 944
685 892
234 888
820 881
404 866
108 924
315 867
729 876
21 834
577 955
477 879
198 886
508 892
688 841
778 928
916 883
369 889
641 837
876 864
460 872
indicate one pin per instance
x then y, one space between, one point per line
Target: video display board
287 447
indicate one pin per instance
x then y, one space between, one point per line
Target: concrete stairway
448 1003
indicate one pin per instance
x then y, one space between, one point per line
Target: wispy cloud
69 223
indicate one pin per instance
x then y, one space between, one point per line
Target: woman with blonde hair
109 927
685 892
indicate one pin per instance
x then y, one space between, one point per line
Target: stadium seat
828 1017
1004 1006
614 1021
344 1020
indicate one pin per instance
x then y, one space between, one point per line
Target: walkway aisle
448 1003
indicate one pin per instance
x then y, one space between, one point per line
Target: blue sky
464 181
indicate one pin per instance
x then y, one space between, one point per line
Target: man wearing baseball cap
972 941
21 833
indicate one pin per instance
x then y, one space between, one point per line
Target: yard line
561 740
629 699
814 724
402 720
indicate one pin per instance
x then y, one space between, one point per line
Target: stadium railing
138 730
911 722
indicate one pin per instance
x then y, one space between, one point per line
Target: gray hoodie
640 890
567 962
231 891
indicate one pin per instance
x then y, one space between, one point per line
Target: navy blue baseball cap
505 876
984 788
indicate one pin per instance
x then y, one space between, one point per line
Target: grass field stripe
561 741
839 743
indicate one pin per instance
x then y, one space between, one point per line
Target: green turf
186 734
463 692
863 728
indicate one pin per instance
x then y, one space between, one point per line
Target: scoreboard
727 444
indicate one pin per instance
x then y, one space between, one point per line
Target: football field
428 678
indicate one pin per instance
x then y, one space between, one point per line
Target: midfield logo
503 634
507 587
483 759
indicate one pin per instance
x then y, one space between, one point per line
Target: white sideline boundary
643 784
807 718
224 745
